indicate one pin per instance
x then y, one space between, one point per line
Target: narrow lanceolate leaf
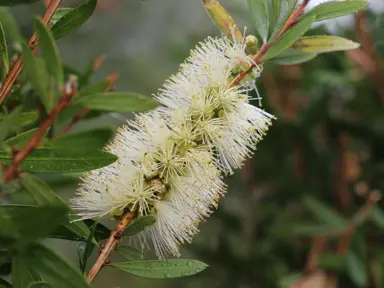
93 139
20 139
98 87
46 160
289 38
293 57
335 9
3 48
130 253
9 122
323 213
49 51
27 118
22 225
53 268
37 74
172 268
42 194
222 19
22 275
15 2
72 20
59 14
63 232
117 102
357 269
259 15
139 225
9 24
323 44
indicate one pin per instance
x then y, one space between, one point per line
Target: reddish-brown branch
18 66
11 171
111 245
257 59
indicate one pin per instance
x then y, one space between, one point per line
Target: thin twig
112 79
257 59
18 66
110 246
11 171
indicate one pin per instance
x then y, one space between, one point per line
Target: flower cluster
172 160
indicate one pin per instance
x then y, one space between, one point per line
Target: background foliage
292 210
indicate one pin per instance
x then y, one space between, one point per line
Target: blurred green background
317 165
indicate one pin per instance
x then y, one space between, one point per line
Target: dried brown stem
11 171
257 59
18 66
110 246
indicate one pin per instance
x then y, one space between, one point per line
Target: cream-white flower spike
171 161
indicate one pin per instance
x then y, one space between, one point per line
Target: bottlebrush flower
172 160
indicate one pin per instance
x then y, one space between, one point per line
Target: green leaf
40 284
93 139
117 102
59 14
335 9
289 38
276 8
53 268
139 225
27 118
130 253
323 44
43 195
9 122
357 269
47 160
39 191
22 274
9 24
63 232
37 74
323 213
15 2
172 268
260 15
3 49
4 284
21 225
377 217
98 87
85 249
72 20
49 51
21 139
293 57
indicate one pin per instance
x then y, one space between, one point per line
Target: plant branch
110 245
257 58
116 234
11 171
112 79
18 66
